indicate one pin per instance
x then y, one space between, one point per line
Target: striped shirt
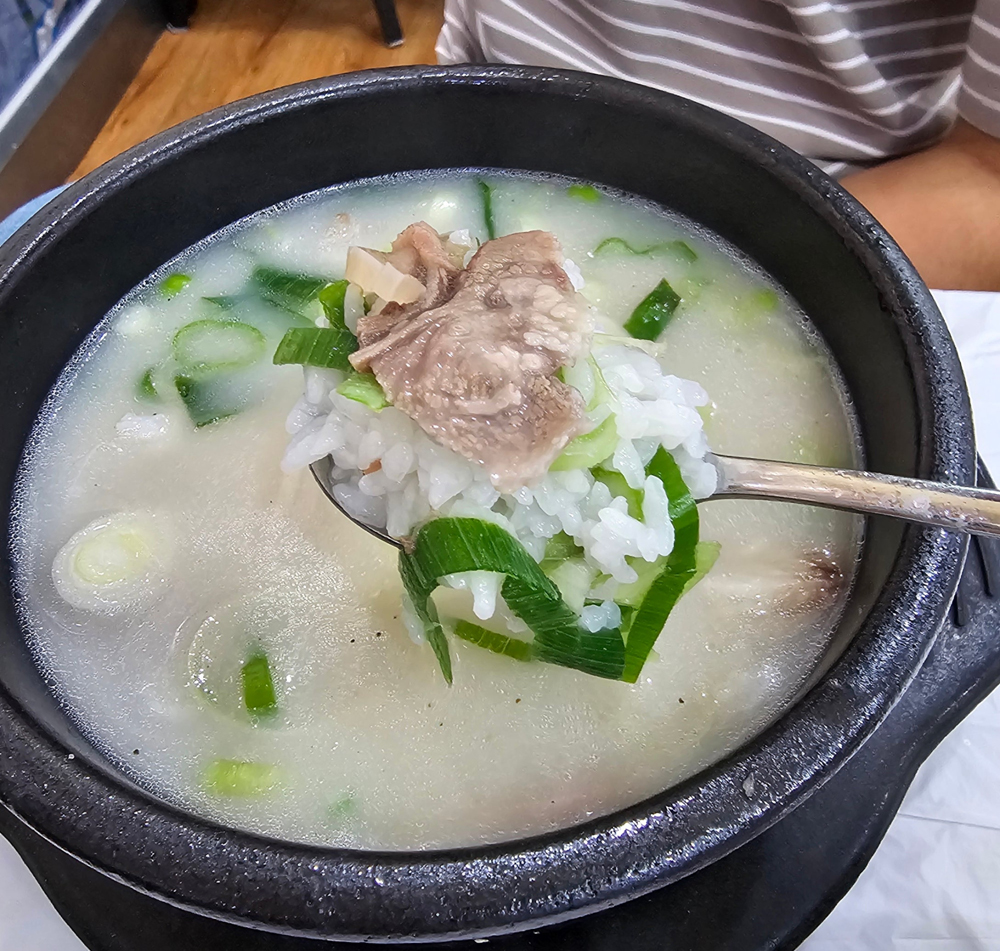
846 82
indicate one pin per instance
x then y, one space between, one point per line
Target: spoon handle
960 508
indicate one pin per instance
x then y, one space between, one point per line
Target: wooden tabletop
236 48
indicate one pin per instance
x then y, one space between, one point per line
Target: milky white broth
370 747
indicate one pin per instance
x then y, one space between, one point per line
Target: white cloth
933 885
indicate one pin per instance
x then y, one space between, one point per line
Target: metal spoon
956 507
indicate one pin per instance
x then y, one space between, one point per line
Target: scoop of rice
392 476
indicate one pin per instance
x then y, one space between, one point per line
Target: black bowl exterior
70 264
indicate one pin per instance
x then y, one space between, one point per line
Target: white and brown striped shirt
848 83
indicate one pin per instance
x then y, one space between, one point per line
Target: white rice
390 474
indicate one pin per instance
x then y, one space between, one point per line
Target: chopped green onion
208 346
145 389
258 686
486 193
344 808
631 595
414 586
317 347
332 299
679 249
203 401
285 289
364 388
558 548
446 546
238 778
757 304
653 313
574 579
492 641
667 587
602 392
590 449
618 485
583 192
226 302
706 554
174 283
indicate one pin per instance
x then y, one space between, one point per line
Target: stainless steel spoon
956 507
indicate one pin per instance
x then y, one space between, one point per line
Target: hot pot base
769 894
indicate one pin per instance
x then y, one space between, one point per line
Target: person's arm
942 206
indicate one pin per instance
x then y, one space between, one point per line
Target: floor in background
236 48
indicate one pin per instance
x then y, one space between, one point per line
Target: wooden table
235 48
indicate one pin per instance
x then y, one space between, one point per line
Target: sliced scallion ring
209 346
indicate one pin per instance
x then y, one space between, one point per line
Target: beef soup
236 645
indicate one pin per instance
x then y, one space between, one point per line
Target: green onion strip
486 193
681 564
285 289
654 312
317 347
445 546
680 249
492 641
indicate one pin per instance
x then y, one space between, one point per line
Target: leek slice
287 290
706 554
225 302
583 192
332 299
666 588
618 485
145 388
558 548
239 778
345 808
209 346
680 249
364 388
317 347
492 641
757 305
486 193
590 449
258 686
205 402
173 284
445 546
653 312
630 595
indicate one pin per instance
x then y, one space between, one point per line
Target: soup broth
367 746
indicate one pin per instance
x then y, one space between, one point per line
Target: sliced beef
476 368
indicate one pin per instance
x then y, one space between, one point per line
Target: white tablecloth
933 885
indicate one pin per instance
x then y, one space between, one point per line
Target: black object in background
388 20
178 13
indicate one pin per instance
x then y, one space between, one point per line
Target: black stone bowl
63 270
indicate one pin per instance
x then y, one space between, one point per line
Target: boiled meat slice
473 362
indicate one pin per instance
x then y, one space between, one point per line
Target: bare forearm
943 207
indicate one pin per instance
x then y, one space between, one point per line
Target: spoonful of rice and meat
488 430
473 359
